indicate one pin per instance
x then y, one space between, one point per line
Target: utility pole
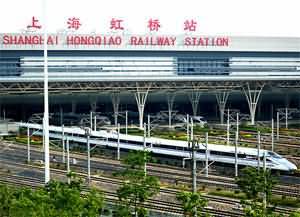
265 183
258 150
88 133
91 120
95 123
237 124
194 170
228 127
28 145
61 116
206 154
144 149
63 143
286 117
68 160
118 153
126 122
187 128
272 134
149 126
236 155
277 126
46 102
192 129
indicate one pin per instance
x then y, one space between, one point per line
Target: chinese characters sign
115 24
117 39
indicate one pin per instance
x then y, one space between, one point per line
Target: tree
254 183
193 203
6 196
256 209
295 214
137 186
257 183
55 199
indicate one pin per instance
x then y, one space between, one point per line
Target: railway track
157 205
37 182
173 175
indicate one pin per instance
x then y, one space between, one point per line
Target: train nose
294 167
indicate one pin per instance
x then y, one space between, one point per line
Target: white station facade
200 75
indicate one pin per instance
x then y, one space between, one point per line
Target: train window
274 155
242 156
203 151
222 153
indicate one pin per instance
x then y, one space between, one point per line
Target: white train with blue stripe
173 148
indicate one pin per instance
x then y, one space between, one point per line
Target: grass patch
285 201
230 194
276 199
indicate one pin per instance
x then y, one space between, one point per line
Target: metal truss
222 98
105 86
170 100
141 97
115 98
252 93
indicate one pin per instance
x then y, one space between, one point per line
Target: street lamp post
46 104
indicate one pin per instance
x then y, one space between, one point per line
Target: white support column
141 98
170 100
252 95
115 99
194 97
222 98
95 123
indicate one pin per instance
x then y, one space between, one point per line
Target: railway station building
147 74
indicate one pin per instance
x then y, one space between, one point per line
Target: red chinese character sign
74 23
116 24
153 25
34 24
190 25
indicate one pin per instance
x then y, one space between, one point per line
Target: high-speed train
174 148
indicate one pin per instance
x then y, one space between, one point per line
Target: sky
213 17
